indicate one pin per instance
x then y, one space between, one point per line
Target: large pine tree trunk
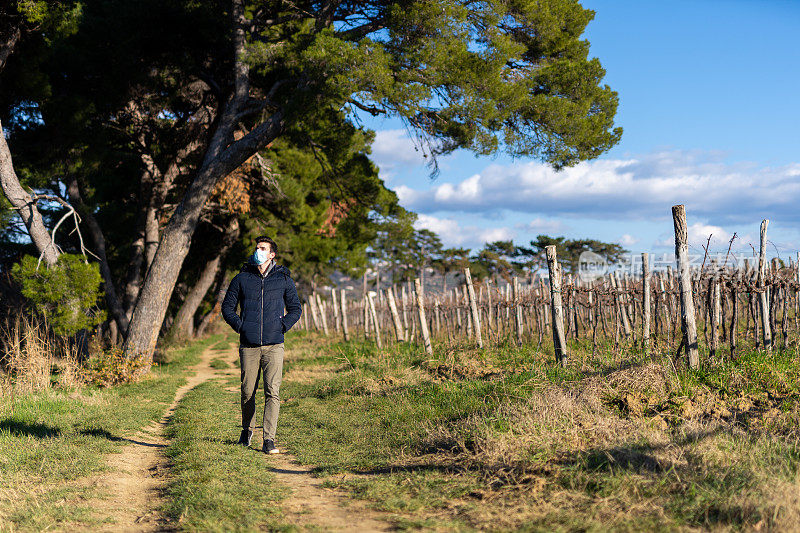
223 156
183 325
151 306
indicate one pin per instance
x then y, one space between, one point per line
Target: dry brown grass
30 357
554 449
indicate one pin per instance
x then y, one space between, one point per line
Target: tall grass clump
33 358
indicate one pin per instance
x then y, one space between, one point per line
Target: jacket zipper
261 322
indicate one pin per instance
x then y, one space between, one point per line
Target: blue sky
711 118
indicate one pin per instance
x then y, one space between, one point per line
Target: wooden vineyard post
423 322
763 303
489 310
437 316
734 319
714 312
465 295
476 319
796 293
374 314
573 304
336 320
412 337
663 307
645 301
398 326
366 306
312 302
688 324
322 314
621 306
404 314
305 317
343 310
517 311
589 311
559 339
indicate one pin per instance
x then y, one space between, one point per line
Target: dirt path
137 475
311 506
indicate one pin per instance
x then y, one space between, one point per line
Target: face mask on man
260 257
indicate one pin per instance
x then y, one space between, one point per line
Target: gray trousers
269 360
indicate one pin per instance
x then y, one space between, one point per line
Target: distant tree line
406 254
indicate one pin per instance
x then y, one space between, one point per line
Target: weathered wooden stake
343 309
734 319
763 302
518 311
476 319
688 323
398 325
322 313
366 306
404 313
312 302
371 300
423 322
714 312
645 301
559 339
337 321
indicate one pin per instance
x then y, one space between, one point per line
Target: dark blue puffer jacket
262 301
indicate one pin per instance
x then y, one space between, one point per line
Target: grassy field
52 441
499 439
504 439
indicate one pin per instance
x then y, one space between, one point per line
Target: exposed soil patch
312 506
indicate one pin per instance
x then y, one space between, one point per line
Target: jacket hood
249 266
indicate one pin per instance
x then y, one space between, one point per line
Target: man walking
263 289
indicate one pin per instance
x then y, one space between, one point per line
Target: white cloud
496 234
394 147
639 188
542 225
628 240
699 234
702 234
455 234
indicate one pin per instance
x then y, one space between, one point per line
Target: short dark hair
273 247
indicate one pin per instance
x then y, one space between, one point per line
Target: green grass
224 344
219 363
506 439
51 442
217 485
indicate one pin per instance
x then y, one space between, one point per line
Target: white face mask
260 256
